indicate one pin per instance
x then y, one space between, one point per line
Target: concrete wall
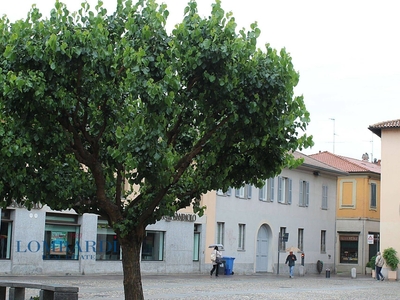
255 213
390 189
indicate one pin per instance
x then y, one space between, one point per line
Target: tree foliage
111 114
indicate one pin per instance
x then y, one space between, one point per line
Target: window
242 230
153 246
227 193
348 248
244 192
300 237
107 245
324 197
266 193
61 237
373 195
284 190
304 189
5 234
323 241
220 232
282 234
196 242
347 193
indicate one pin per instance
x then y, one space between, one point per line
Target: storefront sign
180 217
351 238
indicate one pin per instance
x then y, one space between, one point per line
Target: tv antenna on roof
334 133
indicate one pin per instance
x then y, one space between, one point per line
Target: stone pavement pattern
200 287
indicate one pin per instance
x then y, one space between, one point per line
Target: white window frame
324 197
300 238
267 192
244 192
241 237
323 241
220 232
304 193
284 190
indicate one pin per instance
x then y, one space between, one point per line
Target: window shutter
290 191
272 188
237 193
229 191
307 193
280 189
249 191
301 193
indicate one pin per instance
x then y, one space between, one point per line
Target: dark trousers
378 272
215 268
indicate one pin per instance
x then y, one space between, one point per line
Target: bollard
328 273
353 273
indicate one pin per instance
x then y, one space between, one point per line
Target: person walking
216 260
290 260
379 262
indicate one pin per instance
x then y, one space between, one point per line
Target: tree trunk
131 245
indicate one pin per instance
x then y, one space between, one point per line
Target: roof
377 128
347 164
317 165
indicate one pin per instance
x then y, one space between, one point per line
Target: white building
299 202
248 221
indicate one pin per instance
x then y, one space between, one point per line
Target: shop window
61 237
348 249
5 234
107 245
153 246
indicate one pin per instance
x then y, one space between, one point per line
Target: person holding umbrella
216 260
290 260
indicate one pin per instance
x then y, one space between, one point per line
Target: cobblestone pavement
260 286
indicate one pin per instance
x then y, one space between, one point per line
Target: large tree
111 114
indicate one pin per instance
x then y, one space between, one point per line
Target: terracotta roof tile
376 128
317 164
347 164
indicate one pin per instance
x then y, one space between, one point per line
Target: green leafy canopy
109 113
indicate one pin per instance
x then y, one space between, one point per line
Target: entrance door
262 250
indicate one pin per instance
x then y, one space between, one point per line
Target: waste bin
228 265
328 273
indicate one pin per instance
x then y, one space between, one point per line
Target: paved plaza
260 286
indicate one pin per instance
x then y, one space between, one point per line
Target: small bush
391 259
371 263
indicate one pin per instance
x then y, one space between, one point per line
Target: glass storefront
348 249
5 234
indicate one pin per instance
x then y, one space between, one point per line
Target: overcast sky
346 51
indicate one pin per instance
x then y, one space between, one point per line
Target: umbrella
293 249
220 246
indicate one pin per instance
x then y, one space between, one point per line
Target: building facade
250 222
357 210
389 132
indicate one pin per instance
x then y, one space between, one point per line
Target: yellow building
357 210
